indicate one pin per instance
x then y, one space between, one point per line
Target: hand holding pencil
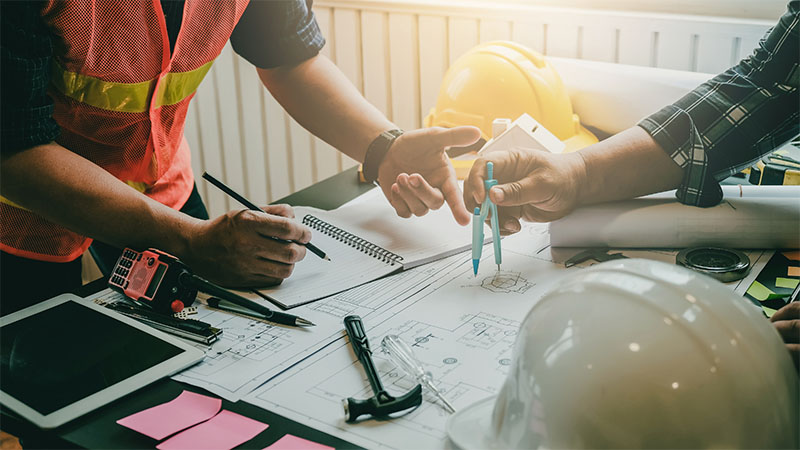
244 249
252 206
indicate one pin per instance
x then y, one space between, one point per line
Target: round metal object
724 264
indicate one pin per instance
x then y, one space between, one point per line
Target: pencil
250 205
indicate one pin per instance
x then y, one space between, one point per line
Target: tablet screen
61 355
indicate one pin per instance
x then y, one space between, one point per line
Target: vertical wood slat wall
396 53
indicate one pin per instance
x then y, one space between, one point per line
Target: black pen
258 312
250 205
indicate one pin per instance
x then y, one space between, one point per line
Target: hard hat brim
583 138
470 428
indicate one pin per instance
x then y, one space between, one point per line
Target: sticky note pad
223 432
793 271
290 442
168 418
789 283
761 293
768 311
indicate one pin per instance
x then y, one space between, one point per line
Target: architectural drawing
505 282
252 351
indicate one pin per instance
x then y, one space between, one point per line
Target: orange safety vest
120 99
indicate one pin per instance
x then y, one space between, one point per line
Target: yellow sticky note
759 292
793 271
788 283
768 311
792 256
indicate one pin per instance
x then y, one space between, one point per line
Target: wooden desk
99 429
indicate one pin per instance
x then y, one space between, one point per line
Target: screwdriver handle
403 355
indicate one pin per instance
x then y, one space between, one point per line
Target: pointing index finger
456 137
474 191
453 197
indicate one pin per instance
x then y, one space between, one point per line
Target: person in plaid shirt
721 127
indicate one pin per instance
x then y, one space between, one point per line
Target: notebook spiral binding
352 240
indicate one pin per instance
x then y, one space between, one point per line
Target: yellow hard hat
503 79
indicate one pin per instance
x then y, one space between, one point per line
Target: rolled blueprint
748 217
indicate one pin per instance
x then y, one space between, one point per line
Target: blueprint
461 327
251 351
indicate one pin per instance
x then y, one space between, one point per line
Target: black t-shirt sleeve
273 33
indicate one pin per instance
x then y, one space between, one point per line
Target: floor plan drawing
504 282
467 363
462 335
252 351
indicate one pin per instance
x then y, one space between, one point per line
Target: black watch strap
376 152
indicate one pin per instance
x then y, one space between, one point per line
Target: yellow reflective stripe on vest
176 86
127 97
108 95
10 203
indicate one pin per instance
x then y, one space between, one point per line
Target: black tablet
67 356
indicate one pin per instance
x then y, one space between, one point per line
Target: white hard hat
636 353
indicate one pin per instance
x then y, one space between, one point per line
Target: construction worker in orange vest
95 96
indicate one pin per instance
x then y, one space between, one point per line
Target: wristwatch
376 152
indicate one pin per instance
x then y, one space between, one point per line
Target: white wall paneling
229 117
495 30
375 60
635 45
396 51
599 42
462 34
209 140
561 39
529 33
674 47
346 39
404 67
327 157
433 59
255 163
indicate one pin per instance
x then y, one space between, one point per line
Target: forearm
626 165
71 191
318 95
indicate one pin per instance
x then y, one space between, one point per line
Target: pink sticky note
225 431
290 442
168 418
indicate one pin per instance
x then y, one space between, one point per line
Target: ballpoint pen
275 316
250 205
479 217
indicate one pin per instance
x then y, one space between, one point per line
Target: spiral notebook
365 242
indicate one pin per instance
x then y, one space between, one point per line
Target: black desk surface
99 429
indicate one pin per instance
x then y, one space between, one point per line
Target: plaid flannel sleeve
732 120
273 33
26 111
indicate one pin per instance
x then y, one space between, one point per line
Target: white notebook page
314 278
418 240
